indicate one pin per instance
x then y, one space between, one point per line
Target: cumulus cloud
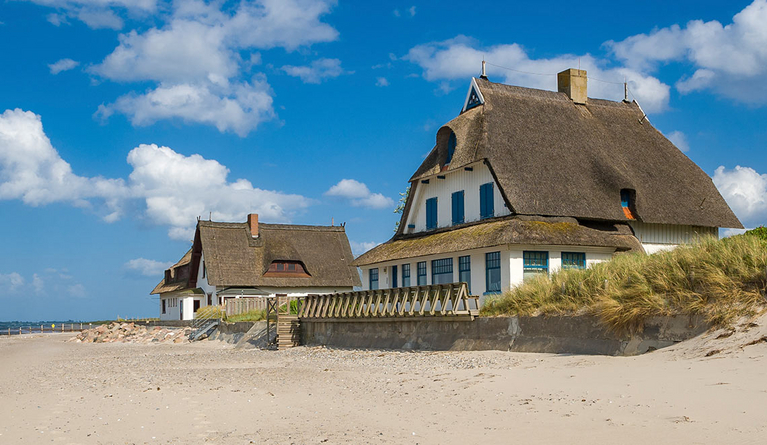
745 190
359 195
730 60
236 107
196 60
680 140
63 65
382 82
317 71
149 268
10 283
174 188
461 58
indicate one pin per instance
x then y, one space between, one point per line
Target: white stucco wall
442 189
511 265
202 283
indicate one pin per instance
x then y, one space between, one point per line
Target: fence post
41 329
19 330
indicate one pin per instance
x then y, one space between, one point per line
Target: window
373 279
394 276
534 263
163 306
573 260
473 99
493 272
204 269
286 269
210 299
464 270
458 207
627 203
406 275
421 273
451 143
486 209
431 213
442 271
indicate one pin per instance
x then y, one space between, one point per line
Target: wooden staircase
288 331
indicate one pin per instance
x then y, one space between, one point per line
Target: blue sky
121 121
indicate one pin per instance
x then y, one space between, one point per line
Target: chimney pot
573 82
253 224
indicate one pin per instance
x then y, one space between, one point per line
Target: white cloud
396 13
382 82
359 195
461 58
38 284
10 283
411 10
358 248
149 268
236 107
196 59
317 71
96 14
745 191
175 188
680 140
731 59
77 290
178 188
63 65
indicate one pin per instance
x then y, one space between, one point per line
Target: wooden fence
235 306
440 301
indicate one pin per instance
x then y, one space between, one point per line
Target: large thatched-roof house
526 181
242 260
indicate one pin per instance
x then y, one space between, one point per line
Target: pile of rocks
131 333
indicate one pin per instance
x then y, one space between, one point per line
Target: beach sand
54 391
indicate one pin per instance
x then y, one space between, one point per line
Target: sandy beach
704 391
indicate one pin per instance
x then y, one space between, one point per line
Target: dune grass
720 280
219 312
254 315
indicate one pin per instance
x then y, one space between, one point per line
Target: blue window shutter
486 209
431 213
457 201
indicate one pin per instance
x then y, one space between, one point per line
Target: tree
401 205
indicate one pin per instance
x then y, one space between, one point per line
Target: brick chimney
253 224
573 83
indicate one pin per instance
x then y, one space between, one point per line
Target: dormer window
627 203
286 269
473 100
451 143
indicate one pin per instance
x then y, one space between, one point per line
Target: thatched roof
234 258
552 157
500 232
179 276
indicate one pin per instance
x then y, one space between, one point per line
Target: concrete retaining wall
574 335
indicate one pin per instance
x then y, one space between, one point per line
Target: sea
33 327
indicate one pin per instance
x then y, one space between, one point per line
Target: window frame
581 260
493 263
438 265
371 272
406 275
394 271
464 267
535 268
425 275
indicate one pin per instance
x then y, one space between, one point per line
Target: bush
718 279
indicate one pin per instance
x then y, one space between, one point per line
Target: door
393 280
181 308
196 305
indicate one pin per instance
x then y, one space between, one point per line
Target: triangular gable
473 97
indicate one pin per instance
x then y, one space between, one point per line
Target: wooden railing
236 306
448 301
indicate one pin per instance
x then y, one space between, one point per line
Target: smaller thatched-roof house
250 260
524 182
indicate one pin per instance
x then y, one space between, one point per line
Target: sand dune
712 389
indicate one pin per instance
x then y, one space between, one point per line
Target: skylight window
627 202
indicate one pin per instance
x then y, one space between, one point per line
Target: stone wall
573 334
